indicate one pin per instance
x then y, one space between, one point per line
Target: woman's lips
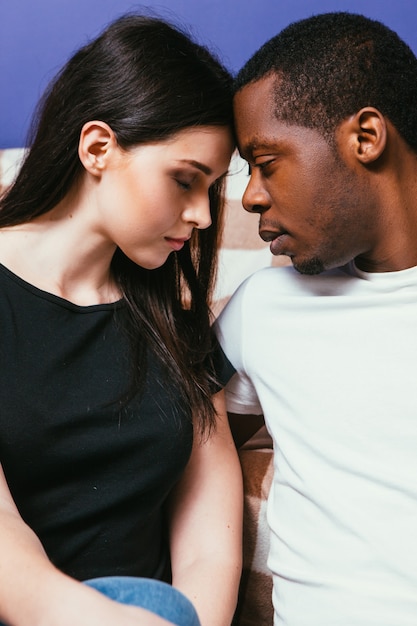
176 244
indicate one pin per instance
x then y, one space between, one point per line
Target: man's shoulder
287 280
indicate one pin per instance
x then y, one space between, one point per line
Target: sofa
242 252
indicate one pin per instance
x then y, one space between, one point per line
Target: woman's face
153 196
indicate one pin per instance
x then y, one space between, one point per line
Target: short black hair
331 65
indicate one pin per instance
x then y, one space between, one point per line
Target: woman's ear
367 132
97 141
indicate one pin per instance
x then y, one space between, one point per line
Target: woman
116 454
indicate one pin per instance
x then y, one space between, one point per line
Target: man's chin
311 267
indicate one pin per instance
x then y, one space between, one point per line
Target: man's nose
255 198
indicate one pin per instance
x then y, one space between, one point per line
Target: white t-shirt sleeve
230 329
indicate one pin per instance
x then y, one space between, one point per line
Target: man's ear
97 141
367 131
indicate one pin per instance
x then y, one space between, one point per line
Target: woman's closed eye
185 180
183 183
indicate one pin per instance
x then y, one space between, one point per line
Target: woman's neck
62 252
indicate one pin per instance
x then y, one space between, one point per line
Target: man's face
312 206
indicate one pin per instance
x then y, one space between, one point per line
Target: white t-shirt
331 361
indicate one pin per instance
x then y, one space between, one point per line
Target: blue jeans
154 595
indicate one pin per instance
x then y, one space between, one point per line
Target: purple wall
37 36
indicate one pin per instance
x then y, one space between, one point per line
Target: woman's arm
34 593
206 525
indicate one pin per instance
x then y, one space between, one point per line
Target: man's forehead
257 127
255 96
254 113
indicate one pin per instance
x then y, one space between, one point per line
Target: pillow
10 160
255 593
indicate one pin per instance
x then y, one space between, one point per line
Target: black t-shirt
89 475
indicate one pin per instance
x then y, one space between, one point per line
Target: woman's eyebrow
200 166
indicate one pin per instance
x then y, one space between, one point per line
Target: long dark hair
147 80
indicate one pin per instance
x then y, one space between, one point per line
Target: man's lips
268 235
276 238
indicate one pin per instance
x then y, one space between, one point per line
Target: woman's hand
33 592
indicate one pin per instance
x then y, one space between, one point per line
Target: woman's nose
199 214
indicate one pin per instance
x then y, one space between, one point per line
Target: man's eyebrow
200 166
256 145
276 146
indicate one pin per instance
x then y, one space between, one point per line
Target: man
326 350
